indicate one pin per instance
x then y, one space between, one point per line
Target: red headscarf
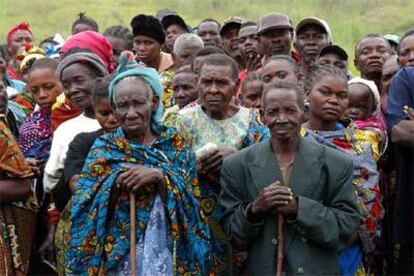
21 26
93 41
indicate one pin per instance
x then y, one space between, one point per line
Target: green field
348 19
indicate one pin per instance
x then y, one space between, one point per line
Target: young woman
328 101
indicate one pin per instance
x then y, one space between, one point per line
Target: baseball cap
231 22
314 20
334 49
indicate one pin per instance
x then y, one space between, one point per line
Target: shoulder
247 155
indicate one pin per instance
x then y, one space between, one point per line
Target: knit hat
82 57
129 67
149 26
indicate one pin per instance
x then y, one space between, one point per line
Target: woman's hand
211 162
140 178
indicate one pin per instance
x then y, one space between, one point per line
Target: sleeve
401 93
234 220
54 165
333 222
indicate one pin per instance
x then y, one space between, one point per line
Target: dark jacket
327 208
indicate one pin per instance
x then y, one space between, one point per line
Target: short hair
184 69
188 39
407 34
44 63
121 32
280 85
373 35
286 58
320 71
206 51
252 76
222 60
83 19
101 90
210 20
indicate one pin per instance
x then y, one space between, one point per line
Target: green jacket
327 216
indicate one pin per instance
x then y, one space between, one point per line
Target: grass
349 19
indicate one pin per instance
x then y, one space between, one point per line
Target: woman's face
134 105
78 82
328 99
44 86
106 115
19 39
118 46
185 89
146 49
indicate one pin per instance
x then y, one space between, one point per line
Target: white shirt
62 137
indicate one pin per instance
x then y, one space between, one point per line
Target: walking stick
132 252
281 245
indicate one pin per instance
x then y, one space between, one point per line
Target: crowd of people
242 148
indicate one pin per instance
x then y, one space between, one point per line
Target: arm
14 190
332 222
235 220
403 132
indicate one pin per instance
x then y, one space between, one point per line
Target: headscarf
129 67
82 57
93 41
21 26
30 56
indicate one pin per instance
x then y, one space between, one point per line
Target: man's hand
275 199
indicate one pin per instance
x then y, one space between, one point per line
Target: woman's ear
155 103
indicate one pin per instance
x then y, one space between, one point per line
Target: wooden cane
133 253
281 245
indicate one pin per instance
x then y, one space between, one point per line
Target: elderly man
370 54
311 35
275 32
186 47
292 181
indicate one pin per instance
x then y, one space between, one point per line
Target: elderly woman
18 207
291 177
150 160
215 129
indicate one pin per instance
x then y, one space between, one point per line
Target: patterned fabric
62 111
102 242
12 162
240 131
35 137
18 219
365 178
26 101
167 82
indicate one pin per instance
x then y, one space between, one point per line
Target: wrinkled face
146 48
310 41
275 42
278 71
44 86
371 55
134 105
249 46
78 83
3 99
388 71
333 59
185 56
216 87
210 33
185 89
361 102
252 94
172 32
118 46
19 39
406 56
282 114
81 27
230 39
197 62
328 99
106 115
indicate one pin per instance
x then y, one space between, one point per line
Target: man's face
230 39
185 56
388 71
309 42
209 33
216 87
249 46
406 56
333 59
278 71
275 42
370 56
